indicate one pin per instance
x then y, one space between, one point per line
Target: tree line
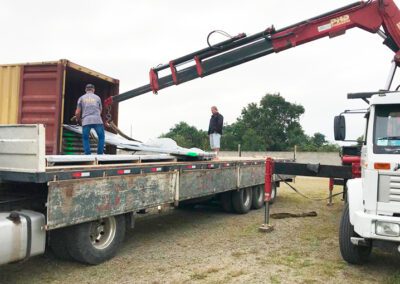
271 125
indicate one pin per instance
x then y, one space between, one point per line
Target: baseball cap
89 86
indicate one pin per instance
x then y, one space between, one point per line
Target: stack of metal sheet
159 145
72 143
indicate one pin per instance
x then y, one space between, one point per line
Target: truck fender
354 195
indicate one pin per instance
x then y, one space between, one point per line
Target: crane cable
305 196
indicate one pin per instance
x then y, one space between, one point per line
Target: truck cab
371 216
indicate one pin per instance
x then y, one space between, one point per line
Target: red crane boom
374 16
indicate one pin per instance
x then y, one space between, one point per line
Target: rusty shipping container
47 93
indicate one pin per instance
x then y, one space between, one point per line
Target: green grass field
207 245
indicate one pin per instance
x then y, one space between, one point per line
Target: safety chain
108 114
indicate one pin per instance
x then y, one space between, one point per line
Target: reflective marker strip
81 174
123 172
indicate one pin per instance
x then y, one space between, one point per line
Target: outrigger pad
266 228
293 215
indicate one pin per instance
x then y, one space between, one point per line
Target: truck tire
345 193
257 200
226 201
58 244
241 200
351 253
97 241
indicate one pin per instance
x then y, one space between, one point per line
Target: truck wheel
257 200
97 241
58 244
226 201
351 253
241 200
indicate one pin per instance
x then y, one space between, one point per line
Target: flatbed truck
83 210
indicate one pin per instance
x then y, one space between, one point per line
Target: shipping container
47 93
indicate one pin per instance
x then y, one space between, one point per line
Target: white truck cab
371 215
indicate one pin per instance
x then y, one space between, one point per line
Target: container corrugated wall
40 100
10 76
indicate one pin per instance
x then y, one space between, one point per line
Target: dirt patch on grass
207 245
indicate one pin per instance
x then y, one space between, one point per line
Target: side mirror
339 126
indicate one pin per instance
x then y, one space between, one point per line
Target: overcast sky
124 39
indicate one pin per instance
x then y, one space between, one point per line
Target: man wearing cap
89 110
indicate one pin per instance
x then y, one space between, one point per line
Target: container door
9 93
40 100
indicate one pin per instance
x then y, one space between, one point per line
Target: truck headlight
387 229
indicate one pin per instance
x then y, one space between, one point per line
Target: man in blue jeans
89 108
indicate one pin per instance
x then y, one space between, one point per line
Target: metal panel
251 175
90 72
22 148
206 182
9 93
312 170
77 201
40 100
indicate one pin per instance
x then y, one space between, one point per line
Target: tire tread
351 253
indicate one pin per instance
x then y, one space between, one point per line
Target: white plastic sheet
156 145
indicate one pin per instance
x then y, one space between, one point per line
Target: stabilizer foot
266 228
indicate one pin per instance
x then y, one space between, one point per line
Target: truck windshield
387 129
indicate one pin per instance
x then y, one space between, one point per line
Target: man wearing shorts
215 129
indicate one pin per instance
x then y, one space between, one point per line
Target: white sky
124 39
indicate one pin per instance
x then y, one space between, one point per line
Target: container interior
75 82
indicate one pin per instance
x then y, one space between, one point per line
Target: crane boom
370 16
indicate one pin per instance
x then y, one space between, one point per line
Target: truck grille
389 188
394 189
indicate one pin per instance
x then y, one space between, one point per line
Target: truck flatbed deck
115 166
95 190
82 188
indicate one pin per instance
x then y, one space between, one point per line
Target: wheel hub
102 232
